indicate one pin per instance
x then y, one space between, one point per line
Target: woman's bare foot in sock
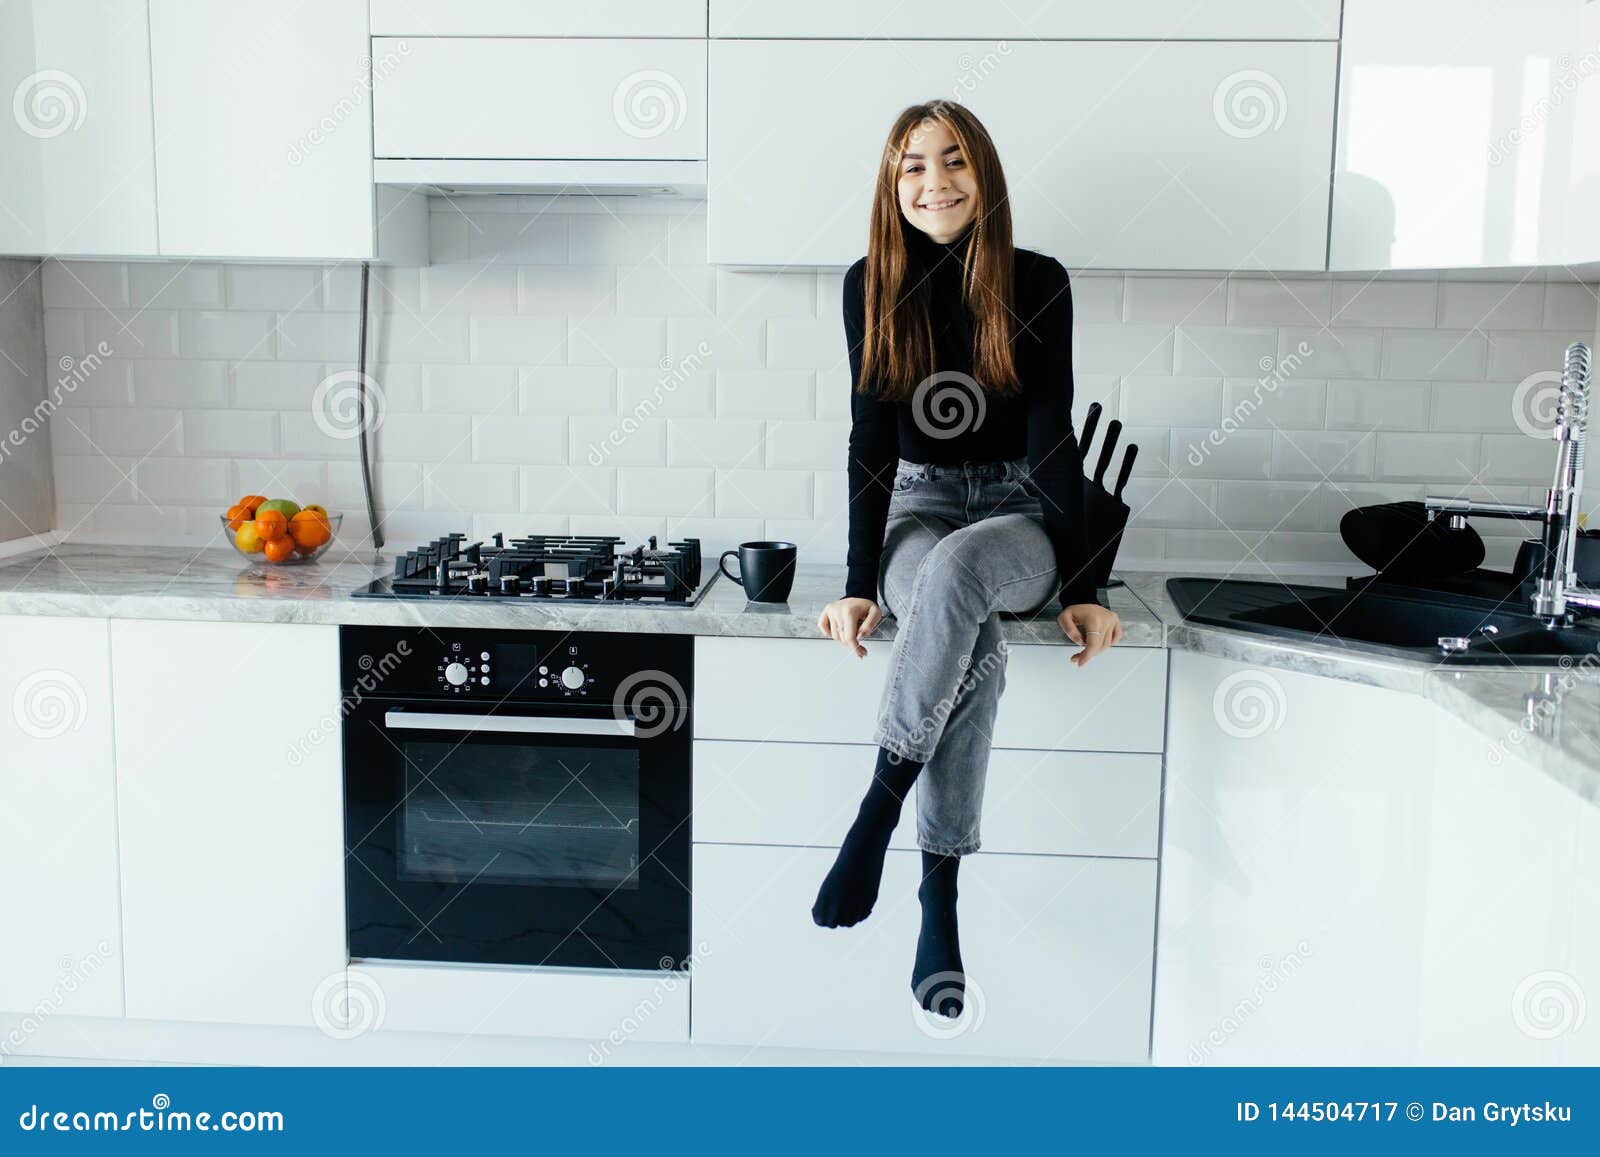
938 980
850 888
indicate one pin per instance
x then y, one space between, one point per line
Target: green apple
287 506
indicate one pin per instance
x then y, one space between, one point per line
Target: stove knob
572 678
478 584
456 674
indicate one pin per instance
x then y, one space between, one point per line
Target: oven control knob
456 674
572 678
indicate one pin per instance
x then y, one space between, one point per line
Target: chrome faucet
1557 596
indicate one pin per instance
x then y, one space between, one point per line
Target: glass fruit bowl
307 540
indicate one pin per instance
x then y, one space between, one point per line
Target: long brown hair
898 350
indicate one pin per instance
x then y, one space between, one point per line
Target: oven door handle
519 724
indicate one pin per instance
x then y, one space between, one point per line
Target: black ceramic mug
766 570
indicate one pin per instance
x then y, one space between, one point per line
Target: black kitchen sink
1383 619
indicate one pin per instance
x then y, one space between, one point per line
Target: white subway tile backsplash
1440 353
572 366
1175 301
516 340
1390 304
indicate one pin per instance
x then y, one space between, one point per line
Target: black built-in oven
517 797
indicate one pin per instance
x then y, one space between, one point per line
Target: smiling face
938 192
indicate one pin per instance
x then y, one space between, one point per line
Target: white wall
544 325
27 502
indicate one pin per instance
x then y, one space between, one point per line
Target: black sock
937 979
851 886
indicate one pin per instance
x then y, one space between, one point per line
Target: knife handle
1106 447
1090 421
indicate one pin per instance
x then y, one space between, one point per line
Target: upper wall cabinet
1117 155
520 18
511 98
75 149
261 124
1031 19
1468 148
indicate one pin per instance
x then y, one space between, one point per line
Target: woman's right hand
849 621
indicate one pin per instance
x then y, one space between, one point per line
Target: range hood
449 177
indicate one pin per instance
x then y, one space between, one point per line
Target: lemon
246 538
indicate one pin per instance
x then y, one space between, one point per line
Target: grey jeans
962 544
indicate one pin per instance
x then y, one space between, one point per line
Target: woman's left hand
1092 627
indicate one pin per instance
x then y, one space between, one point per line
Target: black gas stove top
547 568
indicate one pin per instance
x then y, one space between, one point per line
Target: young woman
966 500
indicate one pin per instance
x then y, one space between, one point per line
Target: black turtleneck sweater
1035 423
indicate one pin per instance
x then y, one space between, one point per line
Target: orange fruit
278 549
309 530
272 524
252 501
322 510
247 540
237 513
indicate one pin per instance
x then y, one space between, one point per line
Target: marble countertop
1551 715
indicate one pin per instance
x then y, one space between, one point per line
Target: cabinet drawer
540 99
519 18
520 1001
1044 802
1058 950
813 691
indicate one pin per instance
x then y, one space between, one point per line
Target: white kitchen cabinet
1057 950
1032 20
263 129
1463 149
62 952
519 18
511 98
232 847
1088 803
1355 876
748 689
75 146
1136 155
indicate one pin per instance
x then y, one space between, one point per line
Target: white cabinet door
75 141
1057 949
263 128
1117 155
1033 19
1461 149
541 99
62 951
232 849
